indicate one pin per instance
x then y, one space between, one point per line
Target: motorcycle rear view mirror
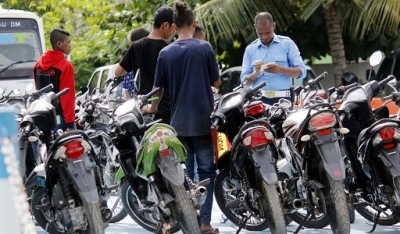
392 82
29 87
376 58
285 103
16 91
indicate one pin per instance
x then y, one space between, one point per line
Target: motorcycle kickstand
303 221
224 218
376 218
242 223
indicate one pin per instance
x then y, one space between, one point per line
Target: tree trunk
335 42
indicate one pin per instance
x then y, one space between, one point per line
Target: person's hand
148 109
257 65
69 129
273 68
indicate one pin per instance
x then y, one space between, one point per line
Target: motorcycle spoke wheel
225 192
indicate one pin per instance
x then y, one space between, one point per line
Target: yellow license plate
269 93
223 145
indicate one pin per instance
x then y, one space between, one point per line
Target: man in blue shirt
272 59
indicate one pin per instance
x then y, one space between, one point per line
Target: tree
357 19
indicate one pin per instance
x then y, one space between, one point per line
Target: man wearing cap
142 58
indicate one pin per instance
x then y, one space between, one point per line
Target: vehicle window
229 81
93 81
303 82
104 77
19 40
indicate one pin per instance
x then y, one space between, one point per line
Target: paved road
128 226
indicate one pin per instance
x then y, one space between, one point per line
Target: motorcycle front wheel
114 202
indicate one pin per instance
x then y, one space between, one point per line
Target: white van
22 43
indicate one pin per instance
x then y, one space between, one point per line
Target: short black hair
123 52
57 35
263 17
139 33
199 29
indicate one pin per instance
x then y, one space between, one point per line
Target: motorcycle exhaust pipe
201 194
297 203
106 214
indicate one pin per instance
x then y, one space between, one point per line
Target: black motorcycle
246 185
372 147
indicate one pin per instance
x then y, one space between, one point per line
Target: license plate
269 93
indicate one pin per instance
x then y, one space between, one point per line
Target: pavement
361 225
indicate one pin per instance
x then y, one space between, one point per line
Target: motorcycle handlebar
214 125
316 80
62 92
386 80
45 89
259 86
152 92
392 96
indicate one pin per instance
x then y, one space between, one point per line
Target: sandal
208 229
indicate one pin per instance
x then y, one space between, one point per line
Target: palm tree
223 19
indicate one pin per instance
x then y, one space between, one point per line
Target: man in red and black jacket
53 68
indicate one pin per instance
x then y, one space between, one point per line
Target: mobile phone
265 66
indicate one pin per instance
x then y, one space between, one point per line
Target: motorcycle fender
170 167
332 159
82 174
119 175
36 178
391 159
264 161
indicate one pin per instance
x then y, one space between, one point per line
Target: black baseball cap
164 14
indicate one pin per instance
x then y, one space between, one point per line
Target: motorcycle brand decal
158 138
223 145
41 182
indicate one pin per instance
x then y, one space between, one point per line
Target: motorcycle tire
236 218
40 215
183 210
117 209
369 212
94 218
273 208
221 182
131 205
338 208
95 221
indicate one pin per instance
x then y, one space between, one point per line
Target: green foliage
99 30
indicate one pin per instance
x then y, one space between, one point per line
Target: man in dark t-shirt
188 69
142 58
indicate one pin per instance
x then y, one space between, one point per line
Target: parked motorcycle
313 148
372 147
246 185
161 194
91 121
66 198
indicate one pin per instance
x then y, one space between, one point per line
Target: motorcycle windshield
230 101
356 95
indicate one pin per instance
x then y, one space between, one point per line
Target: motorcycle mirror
392 82
16 91
29 87
285 103
83 89
376 58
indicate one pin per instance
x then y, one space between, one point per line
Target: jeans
202 147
